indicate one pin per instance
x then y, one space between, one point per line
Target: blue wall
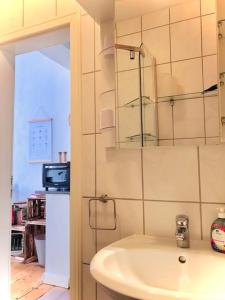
42 90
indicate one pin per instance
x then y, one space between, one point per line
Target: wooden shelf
40 222
33 225
20 228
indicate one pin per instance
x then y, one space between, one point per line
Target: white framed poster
40 140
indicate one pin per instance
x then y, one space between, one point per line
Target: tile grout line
202 61
162 64
142 190
160 200
142 160
115 90
171 73
164 25
117 94
200 191
95 118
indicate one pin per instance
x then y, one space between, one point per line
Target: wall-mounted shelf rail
136 102
188 96
137 137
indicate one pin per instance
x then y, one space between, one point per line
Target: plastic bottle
218 232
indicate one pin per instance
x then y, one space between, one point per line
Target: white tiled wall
157 182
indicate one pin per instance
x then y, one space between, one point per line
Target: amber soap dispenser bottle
218 232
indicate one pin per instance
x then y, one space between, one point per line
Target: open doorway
40 243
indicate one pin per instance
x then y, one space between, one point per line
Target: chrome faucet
182 231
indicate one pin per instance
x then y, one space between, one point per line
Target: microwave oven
56 176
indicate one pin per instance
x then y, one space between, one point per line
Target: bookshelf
29 223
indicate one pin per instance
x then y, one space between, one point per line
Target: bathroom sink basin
143 267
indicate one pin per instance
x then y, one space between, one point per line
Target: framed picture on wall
40 140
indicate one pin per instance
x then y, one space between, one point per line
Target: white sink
146 268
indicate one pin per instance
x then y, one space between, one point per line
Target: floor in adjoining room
26 284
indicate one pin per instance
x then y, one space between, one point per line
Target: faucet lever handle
182 220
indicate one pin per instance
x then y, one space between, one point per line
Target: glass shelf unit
147 101
137 137
188 96
136 102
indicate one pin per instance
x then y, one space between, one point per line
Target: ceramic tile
210 71
105 95
88 234
189 118
185 11
43 11
105 100
213 141
130 145
166 83
221 49
103 293
128 26
212 116
149 82
171 173
212 164
103 83
157 42
221 9
118 172
126 127
108 73
155 19
189 142
87 43
128 86
11 15
167 212
67 7
209 36
188 75
98 47
165 121
127 224
208 7
89 284
222 103
88 165
165 143
88 103
123 57
183 45
150 126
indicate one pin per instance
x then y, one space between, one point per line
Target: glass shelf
188 96
136 102
147 101
137 137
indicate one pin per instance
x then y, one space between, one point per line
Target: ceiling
125 9
104 10
101 10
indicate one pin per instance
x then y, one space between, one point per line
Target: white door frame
6 136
